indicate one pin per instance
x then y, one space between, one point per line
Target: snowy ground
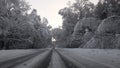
34 62
107 57
10 54
61 58
56 61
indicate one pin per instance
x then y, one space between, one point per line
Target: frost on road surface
56 61
93 58
34 62
61 58
17 61
11 54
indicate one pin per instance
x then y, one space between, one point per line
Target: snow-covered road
92 58
24 58
60 58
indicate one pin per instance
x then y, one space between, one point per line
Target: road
60 58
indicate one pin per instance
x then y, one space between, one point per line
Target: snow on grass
103 56
34 62
10 54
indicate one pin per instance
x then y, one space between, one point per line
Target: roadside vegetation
86 25
20 29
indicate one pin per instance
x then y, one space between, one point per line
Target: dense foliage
84 25
91 26
18 29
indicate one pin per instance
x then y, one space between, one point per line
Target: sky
49 9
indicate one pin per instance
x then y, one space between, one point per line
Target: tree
107 8
84 31
45 21
9 12
57 34
72 14
42 33
107 34
100 10
83 8
18 29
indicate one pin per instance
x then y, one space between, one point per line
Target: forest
85 25
20 29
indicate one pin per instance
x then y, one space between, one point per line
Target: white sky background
50 8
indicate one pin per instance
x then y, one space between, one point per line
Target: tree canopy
18 29
88 25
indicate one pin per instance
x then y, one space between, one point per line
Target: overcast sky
50 8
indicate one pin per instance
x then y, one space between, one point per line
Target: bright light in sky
50 8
